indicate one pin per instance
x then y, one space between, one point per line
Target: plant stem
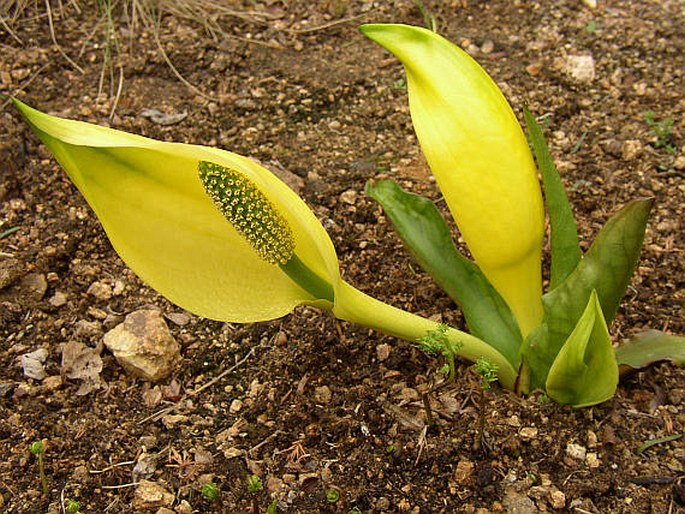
41 474
357 307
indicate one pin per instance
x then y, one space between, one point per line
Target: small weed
428 18
73 507
400 84
210 491
332 496
488 372
436 342
354 510
254 485
591 26
663 130
38 449
8 232
272 508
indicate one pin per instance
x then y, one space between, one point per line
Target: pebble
631 149
323 395
35 285
679 163
100 291
144 346
576 451
58 299
235 407
334 125
349 197
32 364
151 495
383 351
557 499
463 474
580 68
592 460
528 433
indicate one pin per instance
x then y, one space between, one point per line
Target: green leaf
566 252
585 370
427 237
606 268
652 346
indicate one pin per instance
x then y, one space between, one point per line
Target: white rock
150 496
576 451
81 362
580 68
144 346
100 290
32 364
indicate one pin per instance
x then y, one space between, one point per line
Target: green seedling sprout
332 495
210 491
73 507
38 449
436 342
254 485
663 130
273 507
488 373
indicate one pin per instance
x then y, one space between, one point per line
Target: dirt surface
316 407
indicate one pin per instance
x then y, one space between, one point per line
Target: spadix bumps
249 211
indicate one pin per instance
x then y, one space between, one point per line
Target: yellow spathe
480 158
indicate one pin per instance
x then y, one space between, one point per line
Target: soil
330 416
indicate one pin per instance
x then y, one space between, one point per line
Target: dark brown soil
325 406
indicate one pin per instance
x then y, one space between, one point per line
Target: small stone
534 69
32 364
144 346
592 460
518 503
679 163
487 47
52 383
184 508
576 451
557 499
10 271
100 291
514 421
323 395
334 125
164 510
463 474
58 299
34 285
85 330
383 351
631 149
349 197
235 407
592 4
180 319
580 68
171 420
150 496
528 433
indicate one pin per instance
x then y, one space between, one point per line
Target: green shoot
254 485
8 232
73 507
663 130
354 510
273 507
436 342
591 26
428 19
658 440
332 495
488 372
38 449
210 491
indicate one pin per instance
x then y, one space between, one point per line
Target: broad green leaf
152 203
481 160
606 268
652 346
564 243
427 237
585 370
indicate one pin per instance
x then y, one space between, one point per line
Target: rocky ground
330 416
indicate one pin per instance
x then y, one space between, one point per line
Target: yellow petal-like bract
480 158
150 199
